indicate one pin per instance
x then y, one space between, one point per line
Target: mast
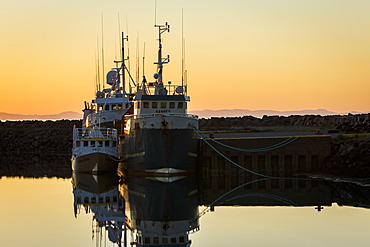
159 89
123 61
122 68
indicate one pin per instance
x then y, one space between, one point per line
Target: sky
239 54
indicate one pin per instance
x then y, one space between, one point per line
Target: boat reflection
164 210
98 195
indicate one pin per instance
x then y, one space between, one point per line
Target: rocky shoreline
341 123
36 148
43 148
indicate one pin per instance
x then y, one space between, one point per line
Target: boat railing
89 133
149 88
192 116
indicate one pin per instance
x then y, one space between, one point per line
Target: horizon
71 115
271 54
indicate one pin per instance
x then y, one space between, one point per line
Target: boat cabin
160 104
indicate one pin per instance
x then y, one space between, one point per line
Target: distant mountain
201 114
63 115
260 113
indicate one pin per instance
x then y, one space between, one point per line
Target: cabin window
100 143
78 144
86 200
86 143
119 106
156 240
173 240
106 107
164 240
154 104
172 105
107 143
100 199
114 107
180 105
100 107
163 105
147 240
114 143
146 104
182 239
92 143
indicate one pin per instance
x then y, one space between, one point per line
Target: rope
265 177
232 162
269 148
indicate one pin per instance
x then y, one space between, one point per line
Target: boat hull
94 163
160 149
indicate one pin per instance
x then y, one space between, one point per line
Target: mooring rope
269 148
232 162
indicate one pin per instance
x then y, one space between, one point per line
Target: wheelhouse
160 104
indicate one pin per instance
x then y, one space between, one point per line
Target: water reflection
163 211
160 212
98 195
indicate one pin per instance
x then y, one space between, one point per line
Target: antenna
155 12
182 48
119 32
128 47
96 75
102 44
98 63
144 60
144 79
137 58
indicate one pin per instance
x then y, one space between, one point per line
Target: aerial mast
159 75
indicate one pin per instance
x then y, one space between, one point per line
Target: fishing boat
159 136
95 145
110 104
94 149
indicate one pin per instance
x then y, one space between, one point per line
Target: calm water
91 210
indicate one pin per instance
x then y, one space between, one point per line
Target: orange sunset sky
240 54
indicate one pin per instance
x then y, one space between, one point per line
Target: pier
255 157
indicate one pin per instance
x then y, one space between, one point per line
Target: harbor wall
43 148
264 156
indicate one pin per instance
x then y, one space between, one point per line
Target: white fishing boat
95 145
159 135
110 104
94 149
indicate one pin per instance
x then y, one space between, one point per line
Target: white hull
94 163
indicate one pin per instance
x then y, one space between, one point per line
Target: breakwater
43 148
36 148
343 123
